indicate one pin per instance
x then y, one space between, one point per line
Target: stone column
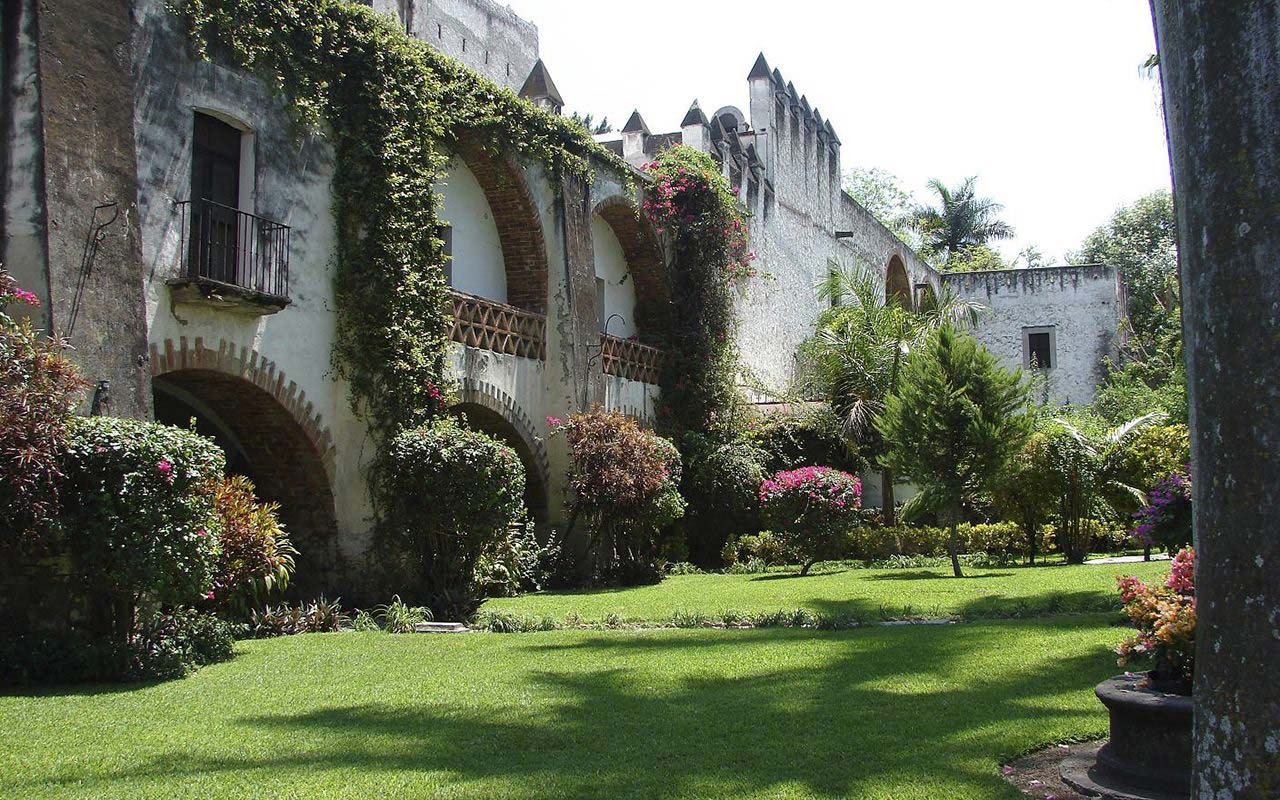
91 198
1220 65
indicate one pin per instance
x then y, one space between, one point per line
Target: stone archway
491 410
515 213
270 432
645 262
897 286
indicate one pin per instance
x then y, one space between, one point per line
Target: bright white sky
1045 102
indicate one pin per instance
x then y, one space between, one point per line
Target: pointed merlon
793 94
804 103
635 124
694 116
539 85
760 69
777 79
832 132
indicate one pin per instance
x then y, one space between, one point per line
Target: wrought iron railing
232 247
630 359
490 325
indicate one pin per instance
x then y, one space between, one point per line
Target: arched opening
486 199
491 422
897 286
615 290
476 265
625 244
264 442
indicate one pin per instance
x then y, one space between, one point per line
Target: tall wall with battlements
487 37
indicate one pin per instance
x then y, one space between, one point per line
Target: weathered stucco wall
1081 304
619 289
485 36
22 169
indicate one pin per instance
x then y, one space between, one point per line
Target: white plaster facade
476 265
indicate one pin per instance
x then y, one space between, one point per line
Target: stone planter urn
1148 756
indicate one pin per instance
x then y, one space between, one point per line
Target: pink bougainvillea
812 509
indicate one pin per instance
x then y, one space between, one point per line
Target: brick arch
280 439
501 417
515 214
645 262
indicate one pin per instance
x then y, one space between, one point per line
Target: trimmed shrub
767 547
625 489
138 518
476 486
812 510
255 557
721 484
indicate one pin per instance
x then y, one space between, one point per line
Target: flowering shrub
476 486
38 388
255 556
812 509
138 516
1165 617
1166 519
691 200
625 488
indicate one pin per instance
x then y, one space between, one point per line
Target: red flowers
165 467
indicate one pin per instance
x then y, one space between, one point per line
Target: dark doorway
215 198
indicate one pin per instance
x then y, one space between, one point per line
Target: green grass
866 593
901 713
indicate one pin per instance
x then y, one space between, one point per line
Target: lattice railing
490 325
629 359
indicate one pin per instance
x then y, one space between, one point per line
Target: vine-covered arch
897 286
489 409
645 262
269 429
524 251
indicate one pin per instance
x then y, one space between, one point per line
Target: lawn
866 593
902 713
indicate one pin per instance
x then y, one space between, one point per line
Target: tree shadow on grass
928 574
783 576
899 712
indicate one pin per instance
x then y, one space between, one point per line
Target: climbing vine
394 110
691 200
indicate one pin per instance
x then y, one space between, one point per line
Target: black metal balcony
238 253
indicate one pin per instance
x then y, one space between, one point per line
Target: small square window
1038 348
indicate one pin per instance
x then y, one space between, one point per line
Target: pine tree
955 422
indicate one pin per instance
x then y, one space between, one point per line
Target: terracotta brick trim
238 361
485 394
515 214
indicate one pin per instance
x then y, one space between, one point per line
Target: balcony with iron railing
231 258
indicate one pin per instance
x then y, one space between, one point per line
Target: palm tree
859 349
961 220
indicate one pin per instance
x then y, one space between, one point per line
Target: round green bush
138 517
448 494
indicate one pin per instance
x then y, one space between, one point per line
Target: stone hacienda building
179 234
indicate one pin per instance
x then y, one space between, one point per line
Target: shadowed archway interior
265 443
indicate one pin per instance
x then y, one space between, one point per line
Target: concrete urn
1148 756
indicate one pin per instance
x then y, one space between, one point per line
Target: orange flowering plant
1165 618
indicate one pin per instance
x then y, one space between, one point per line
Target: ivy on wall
394 110
692 201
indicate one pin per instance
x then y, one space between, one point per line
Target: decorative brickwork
493 411
288 450
524 252
629 359
645 262
489 325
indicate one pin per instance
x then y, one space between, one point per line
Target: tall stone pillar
1220 65
91 199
